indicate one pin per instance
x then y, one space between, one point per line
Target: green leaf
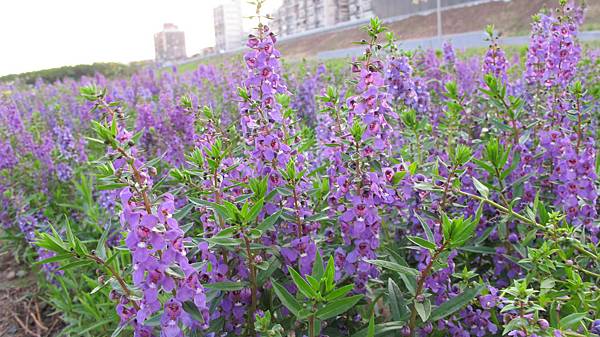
317 328
330 274
175 271
338 307
314 283
485 166
255 211
455 303
396 300
55 258
464 233
302 285
95 326
398 176
76 264
228 242
317 268
569 322
371 328
426 228
226 285
101 286
318 217
544 217
481 188
382 329
192 310
286 298
274 264
423 309
547 283
227 232
70 235
46 241
422 242
101 245
107 187
339 292
514 324
183 212
478 249
269 221
394 267
410 280
121 327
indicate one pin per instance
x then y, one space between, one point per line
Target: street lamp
439 20
439 17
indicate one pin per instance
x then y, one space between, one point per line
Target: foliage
410 193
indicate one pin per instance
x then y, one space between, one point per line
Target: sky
41 34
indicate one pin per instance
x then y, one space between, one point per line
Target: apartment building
169 44
297 16
229 31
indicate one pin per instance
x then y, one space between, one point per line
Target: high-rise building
297 16
169 44
359 9
229 31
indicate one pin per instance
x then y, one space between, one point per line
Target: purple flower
490 300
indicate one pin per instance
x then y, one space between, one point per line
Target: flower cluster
441 194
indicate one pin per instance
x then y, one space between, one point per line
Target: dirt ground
22 312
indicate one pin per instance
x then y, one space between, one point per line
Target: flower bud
543 324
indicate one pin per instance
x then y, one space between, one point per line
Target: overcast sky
40 34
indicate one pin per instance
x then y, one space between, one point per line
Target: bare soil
22 312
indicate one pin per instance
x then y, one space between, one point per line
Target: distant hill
110 69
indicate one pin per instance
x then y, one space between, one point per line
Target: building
229 30
297 16
359 9
169 44
396 8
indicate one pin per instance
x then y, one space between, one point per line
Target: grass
520 50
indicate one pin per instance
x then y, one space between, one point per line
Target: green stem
500 208
116 275
447 186
297 209
504 200
522 218
419 150
573 333
579 128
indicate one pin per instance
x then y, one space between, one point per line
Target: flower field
420 193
